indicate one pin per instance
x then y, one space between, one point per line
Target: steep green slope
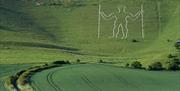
164 44
76 27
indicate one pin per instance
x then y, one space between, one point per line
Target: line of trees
172 64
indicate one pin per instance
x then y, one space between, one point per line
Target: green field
7 70
38 34
96 77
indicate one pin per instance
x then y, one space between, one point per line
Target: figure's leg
123 29
114 28
127 31
119 25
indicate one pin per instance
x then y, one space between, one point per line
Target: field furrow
96 77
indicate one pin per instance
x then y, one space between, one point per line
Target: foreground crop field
7 70
96 77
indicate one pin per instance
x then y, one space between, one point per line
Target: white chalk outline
124 36
142 20
103 15
99 21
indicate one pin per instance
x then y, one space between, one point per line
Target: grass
2 86
9 69
93 77
47 33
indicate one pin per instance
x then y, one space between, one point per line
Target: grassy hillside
31 33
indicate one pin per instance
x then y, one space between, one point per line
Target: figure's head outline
124 9
119 9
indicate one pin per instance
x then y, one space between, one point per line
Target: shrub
78 60
68 3
55 4
23 78
134 40
20 72
136 64
171 56
175 60
11 81
127 65
155 66
45 64
173 66
68 62
177 44
61 62
168 40
101 61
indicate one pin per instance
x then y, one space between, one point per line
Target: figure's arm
135 16
107 17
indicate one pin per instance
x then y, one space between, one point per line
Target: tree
127 65
78 60
155 66
136 65
61 62
101 61
177 44
173 66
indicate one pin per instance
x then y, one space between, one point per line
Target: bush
100 61
78 60
55 4
23 78
173 66
136 65
20 72
168 40
171 56
175 60
155 66
127 65
68 62
134 40
68 3
45 64
61 62
177 44
11 81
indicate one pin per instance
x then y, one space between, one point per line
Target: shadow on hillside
49 46
40 45
6 28
16 20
